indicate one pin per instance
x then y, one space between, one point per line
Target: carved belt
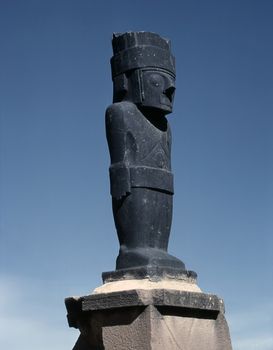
123 178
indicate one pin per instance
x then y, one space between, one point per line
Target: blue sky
57 231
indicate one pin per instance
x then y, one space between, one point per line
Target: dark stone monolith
139 139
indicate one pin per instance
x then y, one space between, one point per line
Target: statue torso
141 142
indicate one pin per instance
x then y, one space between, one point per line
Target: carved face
158 89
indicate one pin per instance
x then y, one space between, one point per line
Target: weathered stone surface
159 297
149 319
146 284
153 273
156 330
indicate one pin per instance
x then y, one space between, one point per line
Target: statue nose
169 92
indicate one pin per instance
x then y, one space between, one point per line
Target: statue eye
156 80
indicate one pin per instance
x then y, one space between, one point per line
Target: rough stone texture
165 329
153 273
149 319
171 284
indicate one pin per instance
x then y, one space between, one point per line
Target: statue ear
120 87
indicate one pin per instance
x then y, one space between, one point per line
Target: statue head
143 70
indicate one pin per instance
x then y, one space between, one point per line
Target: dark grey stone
157 297
153 273
139 139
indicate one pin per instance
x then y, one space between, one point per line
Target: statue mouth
166 101
167 107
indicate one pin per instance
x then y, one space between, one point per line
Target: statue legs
143 222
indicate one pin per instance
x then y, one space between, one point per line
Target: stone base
151 272
140 319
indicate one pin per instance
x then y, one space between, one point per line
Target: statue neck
155 117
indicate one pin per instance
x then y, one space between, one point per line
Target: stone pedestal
149 318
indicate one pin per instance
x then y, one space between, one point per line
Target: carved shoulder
116 113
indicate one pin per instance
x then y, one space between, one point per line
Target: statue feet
136 257
151 263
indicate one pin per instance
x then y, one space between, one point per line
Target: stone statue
139 139
150 311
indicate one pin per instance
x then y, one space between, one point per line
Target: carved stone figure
149 312
139 139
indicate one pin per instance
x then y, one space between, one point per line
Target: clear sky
57 231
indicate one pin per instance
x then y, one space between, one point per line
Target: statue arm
169 145
115 133
116 138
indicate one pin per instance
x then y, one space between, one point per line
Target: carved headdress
136 50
